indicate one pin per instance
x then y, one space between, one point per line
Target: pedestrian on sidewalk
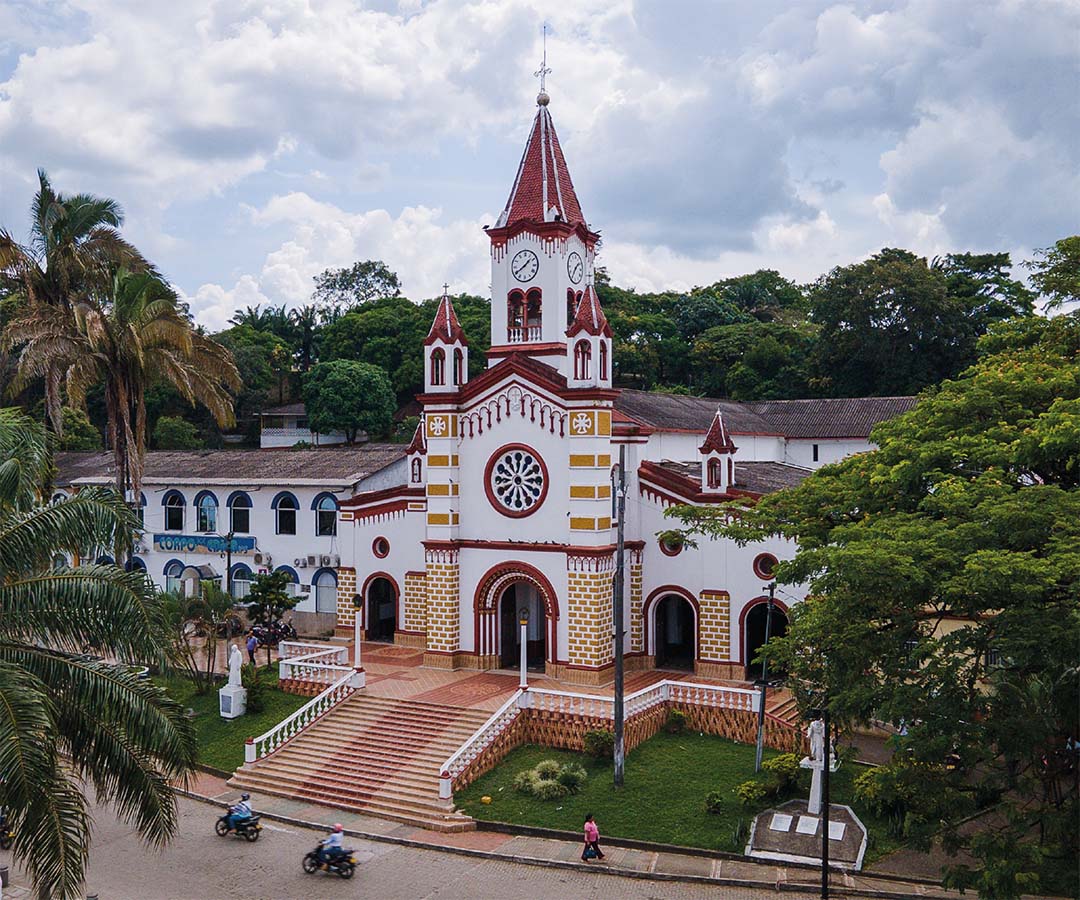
592 841
252 646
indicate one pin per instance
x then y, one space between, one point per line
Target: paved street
199 864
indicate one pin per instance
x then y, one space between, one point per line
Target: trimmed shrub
714 802
676 722
547 769
785 771
525 782
600 744
549 790
571 777
751 792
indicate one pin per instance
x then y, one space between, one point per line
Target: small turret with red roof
717 458
446 351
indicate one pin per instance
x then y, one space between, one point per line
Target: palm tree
73 249
69 721
306 322
135 337
253 317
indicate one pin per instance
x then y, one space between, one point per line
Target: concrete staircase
372 755
781 704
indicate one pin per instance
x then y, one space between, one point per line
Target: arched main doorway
514 599
381 610
754 635
676 634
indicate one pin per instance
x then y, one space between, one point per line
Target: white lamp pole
523 619
357 610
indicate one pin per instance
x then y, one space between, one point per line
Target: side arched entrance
501 595
380 607
671 620
753 622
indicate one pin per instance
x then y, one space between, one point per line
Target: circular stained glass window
516 481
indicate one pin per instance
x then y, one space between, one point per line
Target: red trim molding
400 491
757 601
375 547
761 558
494 501
364 594
486 633
520 546
648 610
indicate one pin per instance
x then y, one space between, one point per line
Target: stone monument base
232 701
790 833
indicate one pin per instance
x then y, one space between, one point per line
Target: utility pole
825 802
617 611
764 680
228 563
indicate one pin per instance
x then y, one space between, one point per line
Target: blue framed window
285 507
239 512
173 570
325 584
174 504
326 510
241 581
206 509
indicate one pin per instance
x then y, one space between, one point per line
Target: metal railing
265 744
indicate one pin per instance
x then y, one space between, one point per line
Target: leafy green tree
70 722
701 310
753 361
257 355
338 291
269 599
307 333
174 433
1055 272
944 571
79 433
197 623
981 281
765 294
349 397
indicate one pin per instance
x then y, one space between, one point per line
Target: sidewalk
658 864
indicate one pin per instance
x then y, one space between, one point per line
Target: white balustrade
293 649
276 737
481 739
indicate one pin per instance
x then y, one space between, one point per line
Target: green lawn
221 741
663 798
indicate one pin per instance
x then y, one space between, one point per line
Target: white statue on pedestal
236 662
815 762
816 733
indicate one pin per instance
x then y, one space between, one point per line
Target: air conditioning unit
313 560
325 561
300 562
335 561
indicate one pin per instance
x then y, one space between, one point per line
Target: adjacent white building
287 426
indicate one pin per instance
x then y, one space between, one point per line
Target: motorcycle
271 635
7 837
343 864
248 828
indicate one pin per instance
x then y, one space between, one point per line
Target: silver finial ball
542 99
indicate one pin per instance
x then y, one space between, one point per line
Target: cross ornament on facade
543 71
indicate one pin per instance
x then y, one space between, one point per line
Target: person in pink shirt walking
592 841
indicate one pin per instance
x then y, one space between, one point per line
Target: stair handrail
309 650
480 740
288 728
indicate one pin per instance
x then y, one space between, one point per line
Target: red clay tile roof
542 187
590 316
446 327
718 440
418 444
752 477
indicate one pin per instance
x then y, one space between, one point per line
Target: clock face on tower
575 268
524 265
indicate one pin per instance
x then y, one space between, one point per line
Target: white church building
506 502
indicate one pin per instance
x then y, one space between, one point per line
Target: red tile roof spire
446 327
542 191
718 440
419 441
590 316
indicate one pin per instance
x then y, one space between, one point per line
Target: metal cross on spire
543 71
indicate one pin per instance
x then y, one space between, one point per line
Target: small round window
764 565
380 547
671 545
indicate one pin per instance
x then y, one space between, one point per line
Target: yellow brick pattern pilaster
416 601
636 620
715 626
346 588
588 601
443 583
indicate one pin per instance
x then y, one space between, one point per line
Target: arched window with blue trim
206 507
174 504
140 510
293 588
174 568
239 504
326 510
135 565
324 582
240 580
285 507
104 560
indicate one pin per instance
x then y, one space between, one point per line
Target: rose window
517 480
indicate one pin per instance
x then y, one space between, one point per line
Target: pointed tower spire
590 316
718 440
446 327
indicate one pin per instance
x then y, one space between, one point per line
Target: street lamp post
764 680
523 621
358 604
617 616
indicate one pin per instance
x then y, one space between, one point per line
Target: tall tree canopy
944 575
1055 272
348 396
69 722
339 290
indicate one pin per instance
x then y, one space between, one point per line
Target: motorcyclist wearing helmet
239 811
330 847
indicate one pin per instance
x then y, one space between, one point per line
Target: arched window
325 584
135 565
174 504
438 367
285 507
532 315
173 570
582 360
603 360
730 471
714 473
239 512
417 471
240 581
459 367
206 506
571 307
140 510
326 510
293 587
515 309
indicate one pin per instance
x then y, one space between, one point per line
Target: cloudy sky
254 143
